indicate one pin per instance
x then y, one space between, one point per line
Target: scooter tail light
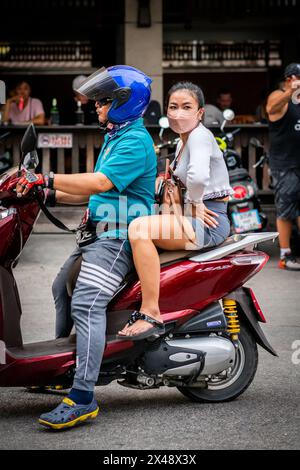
259 260
240 192
257 307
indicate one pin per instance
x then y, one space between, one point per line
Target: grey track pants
105 264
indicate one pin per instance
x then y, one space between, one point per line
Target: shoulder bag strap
178 156
178 216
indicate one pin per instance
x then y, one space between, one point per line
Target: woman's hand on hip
207 216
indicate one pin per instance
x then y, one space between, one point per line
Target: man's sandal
158 328
68 414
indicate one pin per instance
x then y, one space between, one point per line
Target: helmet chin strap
110 127
103 126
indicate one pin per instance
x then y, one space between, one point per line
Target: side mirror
228 115
30 161
164 122
28 143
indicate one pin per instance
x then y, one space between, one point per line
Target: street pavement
266 416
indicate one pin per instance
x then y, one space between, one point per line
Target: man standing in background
283 109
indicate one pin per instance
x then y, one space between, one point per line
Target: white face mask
183 121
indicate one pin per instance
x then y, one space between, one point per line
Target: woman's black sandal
157 330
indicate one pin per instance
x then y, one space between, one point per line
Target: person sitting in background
87 106
20 108
224 99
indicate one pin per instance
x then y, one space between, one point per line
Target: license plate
246 221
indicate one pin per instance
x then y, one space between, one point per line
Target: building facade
241 46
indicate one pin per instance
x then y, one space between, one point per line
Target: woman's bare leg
145 234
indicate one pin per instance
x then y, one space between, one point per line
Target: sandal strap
136 315
151 320
133 317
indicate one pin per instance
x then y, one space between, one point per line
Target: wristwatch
49 180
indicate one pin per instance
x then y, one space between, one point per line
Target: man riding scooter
124 176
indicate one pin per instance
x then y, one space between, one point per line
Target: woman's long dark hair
190 87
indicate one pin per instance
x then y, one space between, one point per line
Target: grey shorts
206 237
287 193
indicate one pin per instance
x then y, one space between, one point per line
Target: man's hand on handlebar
28 182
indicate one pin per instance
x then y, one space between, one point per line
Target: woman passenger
200 166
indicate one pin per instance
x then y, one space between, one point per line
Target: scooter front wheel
231 383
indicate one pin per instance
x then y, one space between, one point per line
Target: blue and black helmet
128 88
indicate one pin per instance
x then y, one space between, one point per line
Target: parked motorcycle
244 210
209 350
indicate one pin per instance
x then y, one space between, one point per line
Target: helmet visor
98 86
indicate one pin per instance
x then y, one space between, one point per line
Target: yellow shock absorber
233 324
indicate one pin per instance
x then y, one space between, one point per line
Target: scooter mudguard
251 314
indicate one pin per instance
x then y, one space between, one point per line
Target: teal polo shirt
128 159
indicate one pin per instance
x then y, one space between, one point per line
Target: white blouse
201 167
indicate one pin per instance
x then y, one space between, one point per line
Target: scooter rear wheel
227 387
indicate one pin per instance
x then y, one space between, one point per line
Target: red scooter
209 351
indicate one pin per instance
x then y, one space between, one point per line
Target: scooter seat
169 257
166 258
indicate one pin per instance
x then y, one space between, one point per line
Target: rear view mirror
30 161
28 143
228 114
164 122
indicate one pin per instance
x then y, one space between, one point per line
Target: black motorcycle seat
166 258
